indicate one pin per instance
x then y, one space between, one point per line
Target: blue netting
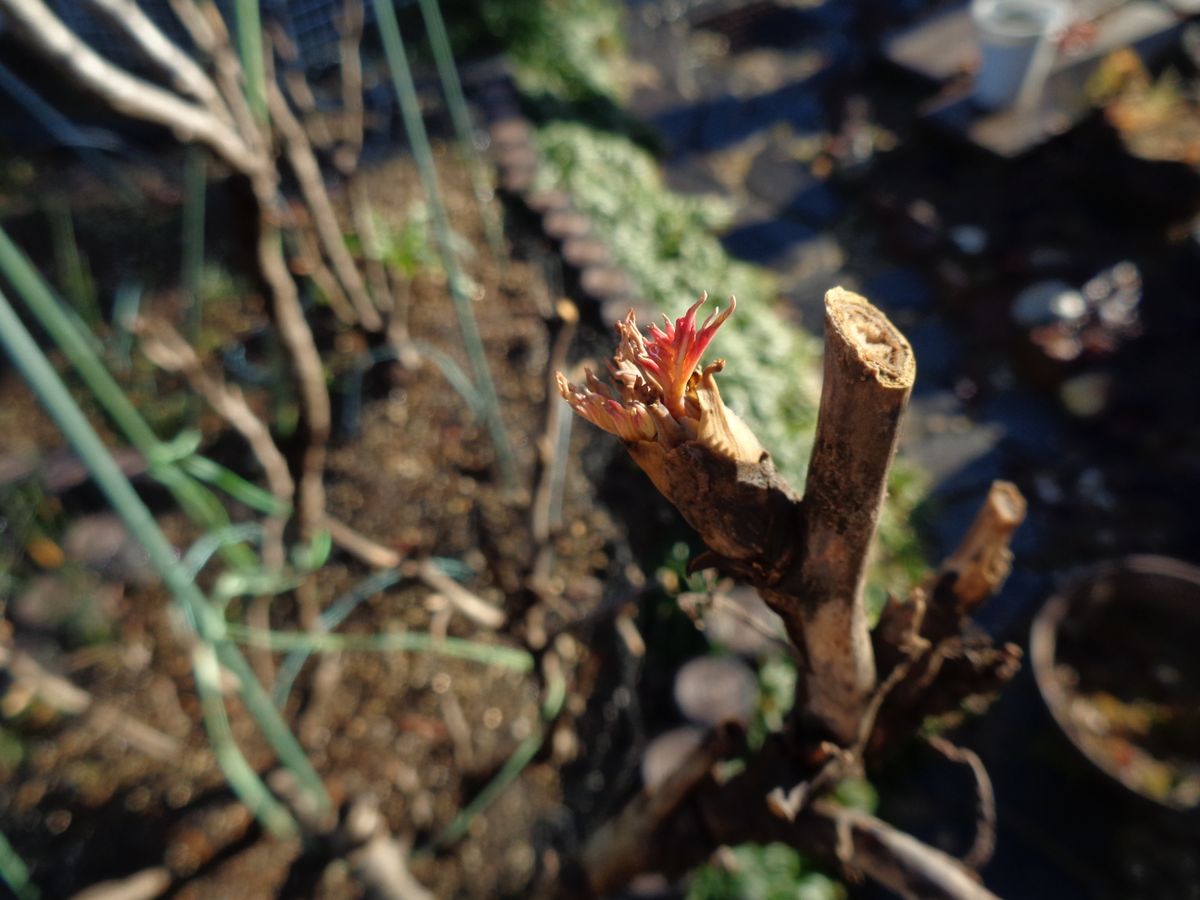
311 24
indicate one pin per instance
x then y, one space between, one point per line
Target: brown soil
422 733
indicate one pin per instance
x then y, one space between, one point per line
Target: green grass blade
443 58
15 873
202 550
197 502
204 469
250 48
410 110
70 339
330 619
242 778
72 267
404 641
40 375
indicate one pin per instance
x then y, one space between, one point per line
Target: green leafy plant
758 872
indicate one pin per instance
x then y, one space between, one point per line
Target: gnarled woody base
807 557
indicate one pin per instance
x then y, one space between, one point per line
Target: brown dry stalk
308 175
303 356
869 374
243 148
45 33
368 551
350 29
981 562
308 261
204 25
984 844
808 558
168 350
890 857
186 76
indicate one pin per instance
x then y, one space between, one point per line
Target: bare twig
982 560
312 186
309 261
298 89
943 662
168 350
208 30
203 23
984 844
241 149
369 551
470 605
68 698
546 511
892 858
624 846
144 885
45 33
378 858
358 194
305 361
350 29
186 77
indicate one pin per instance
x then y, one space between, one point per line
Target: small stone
667 752
103 544
603 283
1048 301
969 239
506 133
565 224
1085 395
45 603
582 252
710 690
742 622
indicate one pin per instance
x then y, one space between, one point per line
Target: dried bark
869 374
807 557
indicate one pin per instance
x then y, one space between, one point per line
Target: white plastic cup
1016 47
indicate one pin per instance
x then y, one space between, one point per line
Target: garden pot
1016 49
1114 656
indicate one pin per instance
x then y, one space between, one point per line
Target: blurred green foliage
762 872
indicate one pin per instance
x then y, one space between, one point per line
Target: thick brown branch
808 558
869 373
